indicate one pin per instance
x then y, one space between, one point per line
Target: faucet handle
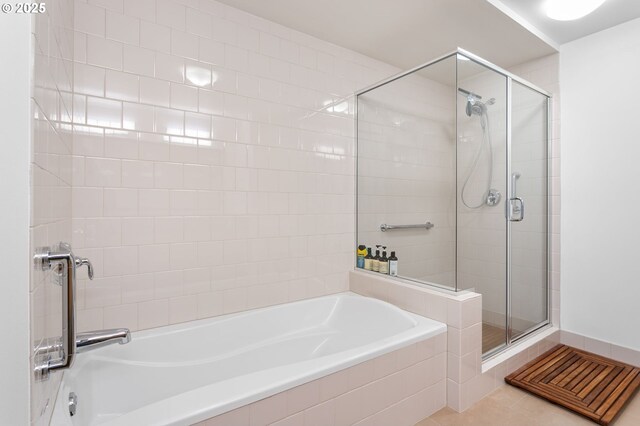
80 261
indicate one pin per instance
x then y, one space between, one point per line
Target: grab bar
384 227
61 260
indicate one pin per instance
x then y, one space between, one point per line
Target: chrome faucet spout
97 339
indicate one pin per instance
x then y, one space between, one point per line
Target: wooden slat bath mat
588 384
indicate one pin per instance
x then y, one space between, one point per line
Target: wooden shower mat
588 384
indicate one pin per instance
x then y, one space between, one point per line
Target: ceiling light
568 10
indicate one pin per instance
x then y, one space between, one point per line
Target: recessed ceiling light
568 10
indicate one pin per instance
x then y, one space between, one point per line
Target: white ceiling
611 13
406 33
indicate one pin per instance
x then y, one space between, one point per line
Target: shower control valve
493 197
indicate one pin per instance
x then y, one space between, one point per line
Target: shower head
477 107
474 104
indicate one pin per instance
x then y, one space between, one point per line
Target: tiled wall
212 162
461 312
406 174
399 388
51 178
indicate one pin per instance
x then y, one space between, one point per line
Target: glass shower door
527 211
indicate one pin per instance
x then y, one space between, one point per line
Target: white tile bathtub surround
462 312
209 174
400 388
51 177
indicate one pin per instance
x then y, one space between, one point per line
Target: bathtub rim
196 404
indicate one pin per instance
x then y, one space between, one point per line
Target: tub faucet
91 340
61 263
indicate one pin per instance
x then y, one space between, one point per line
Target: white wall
600 154
15 48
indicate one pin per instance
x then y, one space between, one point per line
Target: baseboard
600 347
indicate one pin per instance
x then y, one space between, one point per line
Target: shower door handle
516 209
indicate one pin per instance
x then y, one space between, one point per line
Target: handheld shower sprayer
475 107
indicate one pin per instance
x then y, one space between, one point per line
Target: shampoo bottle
368 260
375 265
393 264
362 252
384 263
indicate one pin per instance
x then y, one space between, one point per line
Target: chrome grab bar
384 227
61 260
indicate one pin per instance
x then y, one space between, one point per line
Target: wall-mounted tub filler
60 353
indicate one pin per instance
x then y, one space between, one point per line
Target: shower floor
494 336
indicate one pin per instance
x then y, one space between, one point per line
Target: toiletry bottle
384 263
393 264
375 264
362 252
368 260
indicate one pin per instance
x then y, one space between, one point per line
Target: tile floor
509 406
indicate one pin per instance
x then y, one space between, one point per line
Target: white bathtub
185 373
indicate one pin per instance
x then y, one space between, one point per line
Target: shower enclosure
452 176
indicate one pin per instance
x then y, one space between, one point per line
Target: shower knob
493 197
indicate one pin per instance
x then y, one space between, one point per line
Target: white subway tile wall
212 173
52 107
